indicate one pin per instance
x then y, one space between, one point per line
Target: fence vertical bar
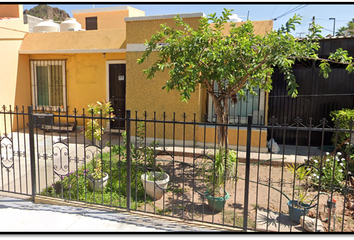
247 173
32 155
128 161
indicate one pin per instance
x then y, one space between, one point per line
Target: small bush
342 119
74 186
302 174
139 151
325 168
218 171
95 127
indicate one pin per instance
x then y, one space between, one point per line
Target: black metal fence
173 166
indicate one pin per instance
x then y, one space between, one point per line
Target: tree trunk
221 110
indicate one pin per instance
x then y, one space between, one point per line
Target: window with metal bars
48 84
251 105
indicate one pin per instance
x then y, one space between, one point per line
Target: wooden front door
117 93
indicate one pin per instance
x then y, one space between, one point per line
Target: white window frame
34 64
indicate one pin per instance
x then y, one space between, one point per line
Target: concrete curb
164 222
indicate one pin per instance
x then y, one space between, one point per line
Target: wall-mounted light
104 55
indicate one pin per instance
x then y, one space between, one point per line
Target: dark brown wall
317 96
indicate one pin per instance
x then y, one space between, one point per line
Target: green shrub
95 127
302 174
342 119
329 164
74 186
139 152
159 176
216 173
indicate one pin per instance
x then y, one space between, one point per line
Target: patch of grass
74 186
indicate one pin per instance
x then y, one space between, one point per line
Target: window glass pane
42 85
243 107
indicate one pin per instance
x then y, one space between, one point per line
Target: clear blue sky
342 12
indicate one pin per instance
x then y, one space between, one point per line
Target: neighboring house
157 99
74 68
105 18
12 33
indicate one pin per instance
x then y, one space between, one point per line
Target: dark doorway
117 93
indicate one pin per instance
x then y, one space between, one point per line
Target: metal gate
15 152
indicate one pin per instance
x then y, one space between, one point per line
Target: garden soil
266 193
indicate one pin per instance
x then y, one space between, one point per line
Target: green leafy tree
350 26
235 62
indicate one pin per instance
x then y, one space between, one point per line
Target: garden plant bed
181 201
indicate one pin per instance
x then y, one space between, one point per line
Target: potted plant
155 183
216 170
154 180
97 179
99 113
298 207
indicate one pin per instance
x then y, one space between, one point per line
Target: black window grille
48 83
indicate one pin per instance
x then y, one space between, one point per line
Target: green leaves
290 25
341 56
95 127
325 68
330 169
205 55
315 31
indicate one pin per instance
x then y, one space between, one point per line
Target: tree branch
238 87
243 61
321 59
199 61
200 55
208 85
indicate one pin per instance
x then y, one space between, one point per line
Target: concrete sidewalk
22 215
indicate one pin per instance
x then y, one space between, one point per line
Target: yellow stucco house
74 68
12 33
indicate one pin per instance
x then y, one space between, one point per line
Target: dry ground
181 201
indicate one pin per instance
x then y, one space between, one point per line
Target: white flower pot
97 184
151 189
